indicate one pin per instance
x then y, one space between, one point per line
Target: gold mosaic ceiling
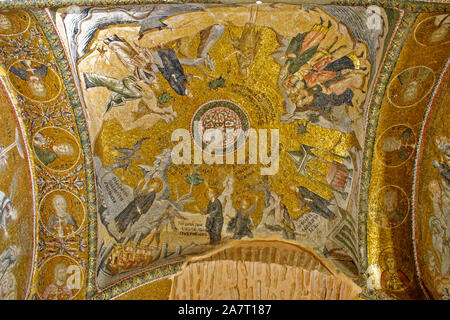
144 146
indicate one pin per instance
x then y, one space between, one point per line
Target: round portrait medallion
394 276
433 31
60 278
56 148
34 80
61 213
396 145
389 207
410 86
219 126
13 22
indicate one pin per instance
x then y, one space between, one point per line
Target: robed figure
214 222
304 46
241 224
144 195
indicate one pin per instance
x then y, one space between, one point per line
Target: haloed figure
5 23
34 74
411 92
61 223
390 216
47 151
399 146
442 29
413 84
392 278
58 290
37 87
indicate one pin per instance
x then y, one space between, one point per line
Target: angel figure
304 46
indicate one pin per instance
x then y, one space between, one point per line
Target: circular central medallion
220 126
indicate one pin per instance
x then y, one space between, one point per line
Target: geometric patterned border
374 113
49 31
410 5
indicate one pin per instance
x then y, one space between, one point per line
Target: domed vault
224 151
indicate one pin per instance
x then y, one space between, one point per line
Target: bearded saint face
391 144
5 23
411 92
60 205
439 34
37 87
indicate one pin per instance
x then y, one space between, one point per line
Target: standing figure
226 200
214 222
241 224
247 46
276 219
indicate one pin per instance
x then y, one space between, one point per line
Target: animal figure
217 83
129 155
